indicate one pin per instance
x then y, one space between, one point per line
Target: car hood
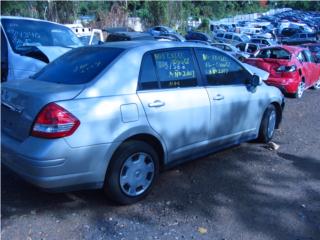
257 71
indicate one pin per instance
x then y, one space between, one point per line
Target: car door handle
156 103
218 97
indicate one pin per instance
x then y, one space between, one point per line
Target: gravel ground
246 192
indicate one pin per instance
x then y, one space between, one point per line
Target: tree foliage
172 13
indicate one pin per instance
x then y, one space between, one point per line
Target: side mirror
255 81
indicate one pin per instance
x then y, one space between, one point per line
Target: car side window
301 57
228 36
252 48
4 57
221 69
148 78
236 38
241 47
308 56
175 68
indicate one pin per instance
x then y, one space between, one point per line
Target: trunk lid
21 101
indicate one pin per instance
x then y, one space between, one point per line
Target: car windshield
275 53
78 66
86 40
24 33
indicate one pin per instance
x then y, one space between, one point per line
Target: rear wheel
268 124
300 90
132 172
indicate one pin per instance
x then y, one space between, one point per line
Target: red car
292 69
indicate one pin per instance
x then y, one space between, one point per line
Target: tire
132 172
241 58
316 86
268 124
300 90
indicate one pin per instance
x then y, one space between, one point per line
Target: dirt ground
245 192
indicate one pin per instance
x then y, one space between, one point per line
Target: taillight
54 121
287 68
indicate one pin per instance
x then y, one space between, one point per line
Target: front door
235 109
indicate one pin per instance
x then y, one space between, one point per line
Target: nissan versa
111 116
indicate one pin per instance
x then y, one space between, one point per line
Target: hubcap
137 174
317 85
301 89
272 123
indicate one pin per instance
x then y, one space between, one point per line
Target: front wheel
132 172
300 90
268 124
317 84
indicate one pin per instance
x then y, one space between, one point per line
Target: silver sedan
111 116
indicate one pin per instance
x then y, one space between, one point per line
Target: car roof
29 19
310 44
151 44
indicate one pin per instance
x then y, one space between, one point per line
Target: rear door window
175 68
78 66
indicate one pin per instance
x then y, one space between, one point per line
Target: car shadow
242 185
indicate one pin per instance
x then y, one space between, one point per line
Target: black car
128 36
198 36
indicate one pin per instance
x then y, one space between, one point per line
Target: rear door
177 107
235 111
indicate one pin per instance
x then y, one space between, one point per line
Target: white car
27 45
111 116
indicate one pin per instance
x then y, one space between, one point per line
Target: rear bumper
286 85
53 164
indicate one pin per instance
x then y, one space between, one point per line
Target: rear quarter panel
105 119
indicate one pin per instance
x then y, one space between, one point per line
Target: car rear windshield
275 53
78 66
